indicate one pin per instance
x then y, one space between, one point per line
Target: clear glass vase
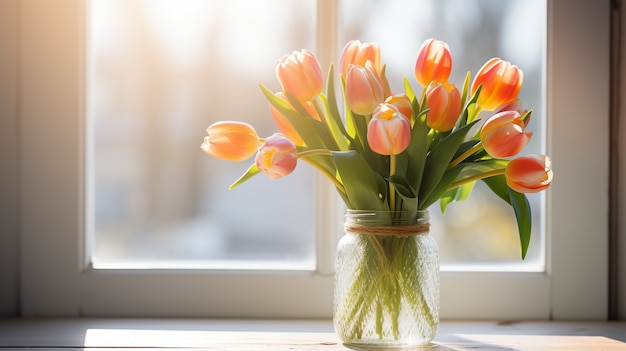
386 280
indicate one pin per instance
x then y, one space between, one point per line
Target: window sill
276 335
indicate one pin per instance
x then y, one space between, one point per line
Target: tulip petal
276 157
501 82
529 174
503 134
389 131
229 140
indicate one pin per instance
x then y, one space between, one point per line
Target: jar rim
378 218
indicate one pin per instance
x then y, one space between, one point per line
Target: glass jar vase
386 279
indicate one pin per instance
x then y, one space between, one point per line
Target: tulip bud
501 82
529 174
503 134
233 141
444 102
276 157
389 131
402 103
357 53
364 90
300 75
434 62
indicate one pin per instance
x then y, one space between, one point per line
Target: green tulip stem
392 188
306 156
477 177
466 154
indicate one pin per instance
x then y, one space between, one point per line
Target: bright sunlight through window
161 71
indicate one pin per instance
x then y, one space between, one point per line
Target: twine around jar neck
388 230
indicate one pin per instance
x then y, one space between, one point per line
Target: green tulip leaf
460 193
520 206
322 127
466 146
523 213
313 132
359 181
446 199
383 189
410 93
438 160
465 91
417 152
526 116
251 172
441 188
335 124
405 191
499 187
464 191
477 168
468 111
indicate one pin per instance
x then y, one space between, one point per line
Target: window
159 73
57 281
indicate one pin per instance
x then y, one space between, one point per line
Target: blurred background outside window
161 71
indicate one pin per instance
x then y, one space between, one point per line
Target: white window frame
55 281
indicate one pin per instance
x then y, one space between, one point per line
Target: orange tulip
529 174
501 82
503 134
357 53
444 102
389 131
276 157
233 141
402 103
434 62
285 126
300 75
364 90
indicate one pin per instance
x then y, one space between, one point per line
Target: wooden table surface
279 335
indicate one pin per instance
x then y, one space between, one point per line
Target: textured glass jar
386 280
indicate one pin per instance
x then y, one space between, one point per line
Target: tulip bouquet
395 151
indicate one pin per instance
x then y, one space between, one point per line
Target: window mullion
327 204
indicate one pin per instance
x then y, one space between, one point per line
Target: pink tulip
501 82
233 141
357 53
389 131
434 62
444 102
364 90
402 102
277 156
503 134
283 123
300 75
529 174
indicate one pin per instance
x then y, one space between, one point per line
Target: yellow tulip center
386 113
267 156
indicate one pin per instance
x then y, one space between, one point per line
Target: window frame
55 280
